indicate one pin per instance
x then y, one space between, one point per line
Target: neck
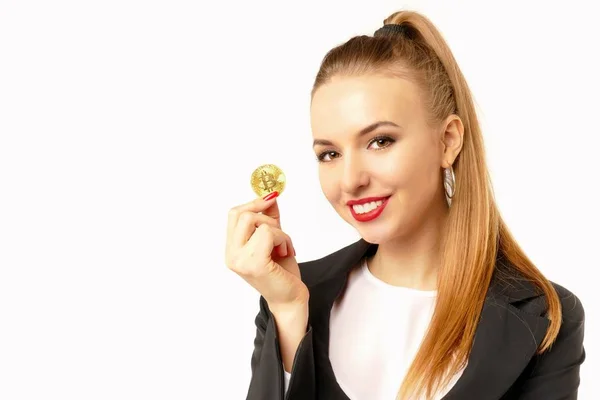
411 261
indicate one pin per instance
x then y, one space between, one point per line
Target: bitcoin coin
266 179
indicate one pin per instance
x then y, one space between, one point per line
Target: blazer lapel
505 340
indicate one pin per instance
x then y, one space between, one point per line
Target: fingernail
271 195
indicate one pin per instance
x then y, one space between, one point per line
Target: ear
452 139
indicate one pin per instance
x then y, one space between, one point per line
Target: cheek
410 171
328 185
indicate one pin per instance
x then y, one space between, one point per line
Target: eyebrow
362 132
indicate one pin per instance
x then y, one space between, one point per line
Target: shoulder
558 366
555 372
528 297
573 313
572 307
572 322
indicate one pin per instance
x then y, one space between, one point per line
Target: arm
292 324
555 374
278 338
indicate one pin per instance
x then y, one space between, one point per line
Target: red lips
371 215
366 200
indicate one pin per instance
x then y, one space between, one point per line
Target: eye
382 142
322 157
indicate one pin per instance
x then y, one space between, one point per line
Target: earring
449 184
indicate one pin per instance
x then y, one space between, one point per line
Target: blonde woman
436 300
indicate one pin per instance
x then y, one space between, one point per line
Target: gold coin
266 179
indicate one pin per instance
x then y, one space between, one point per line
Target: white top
375 333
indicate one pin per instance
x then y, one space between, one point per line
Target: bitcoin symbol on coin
266 179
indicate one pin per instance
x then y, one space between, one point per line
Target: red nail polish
271 195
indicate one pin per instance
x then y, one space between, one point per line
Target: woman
436 300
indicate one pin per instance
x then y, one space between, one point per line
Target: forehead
347 104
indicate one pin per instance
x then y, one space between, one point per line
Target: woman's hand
263 255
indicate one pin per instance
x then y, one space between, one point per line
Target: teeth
365 208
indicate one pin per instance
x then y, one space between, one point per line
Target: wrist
291 328
289 309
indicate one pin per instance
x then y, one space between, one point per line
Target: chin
372 236
375 232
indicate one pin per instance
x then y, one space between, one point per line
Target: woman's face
376 149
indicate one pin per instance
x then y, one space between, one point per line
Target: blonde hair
422 55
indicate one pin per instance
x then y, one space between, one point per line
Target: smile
367 210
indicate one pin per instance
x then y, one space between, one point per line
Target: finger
247 224
273 212
257 205
290 250
265 239
285 249
281 251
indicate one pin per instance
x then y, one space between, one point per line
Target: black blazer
501 365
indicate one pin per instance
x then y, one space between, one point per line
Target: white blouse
375 333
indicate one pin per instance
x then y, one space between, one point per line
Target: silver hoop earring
449 184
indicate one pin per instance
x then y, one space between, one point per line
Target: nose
354 175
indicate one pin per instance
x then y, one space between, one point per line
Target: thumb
273 212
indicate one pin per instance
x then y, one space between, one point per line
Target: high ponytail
418 52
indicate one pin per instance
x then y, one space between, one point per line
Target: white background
128 129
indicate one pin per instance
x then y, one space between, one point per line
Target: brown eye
382 142
322 156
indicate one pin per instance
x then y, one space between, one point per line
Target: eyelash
375 139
